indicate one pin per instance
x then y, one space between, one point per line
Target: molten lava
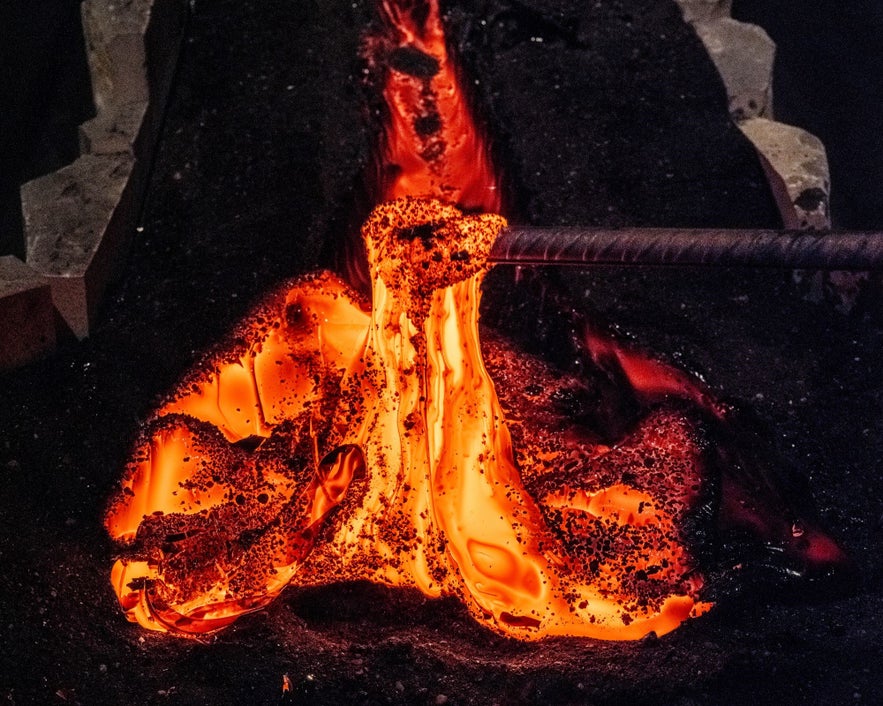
337 439
433 146
337 442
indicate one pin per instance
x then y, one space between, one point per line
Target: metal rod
522 245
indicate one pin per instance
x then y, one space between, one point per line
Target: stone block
133 47
27 317
705 10
116 129
79 221
743 54
114 32
799 167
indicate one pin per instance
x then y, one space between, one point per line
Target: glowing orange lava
433 147
339 443
336 439
333 438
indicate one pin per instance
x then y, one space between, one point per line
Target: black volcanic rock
609 114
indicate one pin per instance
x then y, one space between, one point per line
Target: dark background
45 93
828 70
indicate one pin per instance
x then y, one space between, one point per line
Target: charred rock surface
253 177
608 89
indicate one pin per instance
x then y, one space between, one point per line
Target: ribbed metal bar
522 245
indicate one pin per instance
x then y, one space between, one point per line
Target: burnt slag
414 62
425 231
428 124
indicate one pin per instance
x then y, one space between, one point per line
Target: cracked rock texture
800 161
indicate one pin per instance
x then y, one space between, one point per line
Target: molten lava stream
335 440
433 146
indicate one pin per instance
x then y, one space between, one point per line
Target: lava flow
389 415
338 439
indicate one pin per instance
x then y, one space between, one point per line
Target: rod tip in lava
420 244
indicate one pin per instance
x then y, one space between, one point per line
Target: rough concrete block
133 48
79 221
743 54
27 318
800 166
705 10
797 168
116 129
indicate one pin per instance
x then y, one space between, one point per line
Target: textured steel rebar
522 245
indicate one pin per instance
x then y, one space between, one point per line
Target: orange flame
335 440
